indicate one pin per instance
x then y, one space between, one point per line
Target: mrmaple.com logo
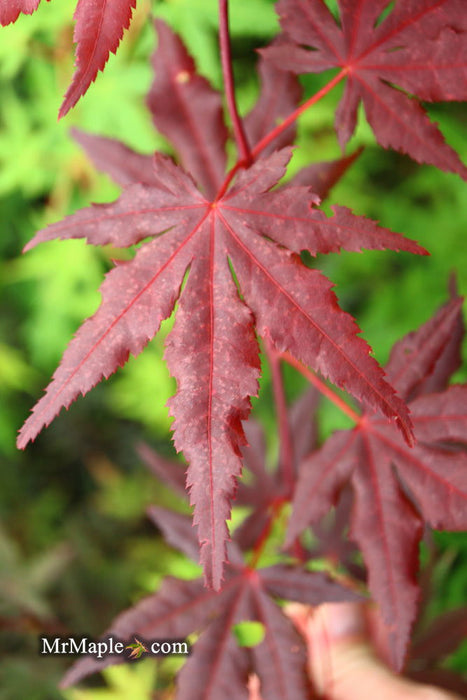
71 646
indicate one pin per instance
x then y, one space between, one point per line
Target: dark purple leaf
10 9
219 668
98 30
178 609
188 111
212 350
169 471
310 588
124 165
419 48
178 530
397 489
280 659
322 177
280 94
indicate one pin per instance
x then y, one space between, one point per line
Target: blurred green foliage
75 546
125 681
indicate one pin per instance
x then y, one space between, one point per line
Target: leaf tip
24 437
406 428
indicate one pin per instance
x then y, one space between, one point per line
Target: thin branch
322 387
226 59
266 140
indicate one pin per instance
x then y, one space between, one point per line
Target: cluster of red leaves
218 667
398 489
198 236
385 521
227 251
419 49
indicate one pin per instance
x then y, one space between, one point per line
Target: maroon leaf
322 177
124 165
303 423
280 659
331 540
212 350
450 358
10 9
322 476
442 637
99 27
178 609
269 489
220 668
442 417
188 111
167 470
428 484
294 583
213 353
181 608
280 93
419 47
413 358
178 530
254 453
388 531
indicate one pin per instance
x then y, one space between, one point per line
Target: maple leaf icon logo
138 649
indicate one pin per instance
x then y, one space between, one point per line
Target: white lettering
101 649
48 648
76 648
180 648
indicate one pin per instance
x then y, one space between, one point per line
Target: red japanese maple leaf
237 255
419 48
218 667
212 350
10 9
99 28
397 489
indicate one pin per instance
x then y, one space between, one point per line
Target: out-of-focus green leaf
249 633
136 681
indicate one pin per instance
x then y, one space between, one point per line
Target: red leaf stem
321 386
297 112
226 59
246 160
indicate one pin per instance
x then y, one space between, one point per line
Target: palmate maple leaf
420 48
212 350
98 30
398 489
218 667
237 258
